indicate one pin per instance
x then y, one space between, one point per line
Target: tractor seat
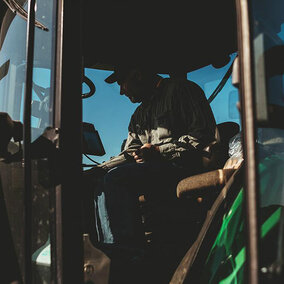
220 151
214 179
201 184
158 215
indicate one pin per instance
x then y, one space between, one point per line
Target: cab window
268 47
110 113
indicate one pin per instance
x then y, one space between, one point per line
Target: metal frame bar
57 250
68 118
55 217
249 146
27 140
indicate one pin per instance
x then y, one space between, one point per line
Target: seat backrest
220 150
227 130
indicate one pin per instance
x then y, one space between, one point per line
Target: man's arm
132 144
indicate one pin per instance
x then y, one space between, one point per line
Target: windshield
110 112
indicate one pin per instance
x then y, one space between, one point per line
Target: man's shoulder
180 85
178 82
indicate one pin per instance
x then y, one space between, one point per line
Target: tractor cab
59 120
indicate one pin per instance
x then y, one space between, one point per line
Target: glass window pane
268 44
12 88
12 65
42 114
110 113
224 106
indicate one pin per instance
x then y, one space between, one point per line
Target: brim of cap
112 78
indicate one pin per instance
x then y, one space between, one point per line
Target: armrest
199 184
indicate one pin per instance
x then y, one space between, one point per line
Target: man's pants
118 205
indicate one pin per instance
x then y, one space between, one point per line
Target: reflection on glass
12 50
41 118
12 87
268 36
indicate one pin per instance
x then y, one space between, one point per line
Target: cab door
261 61
267 39
39 194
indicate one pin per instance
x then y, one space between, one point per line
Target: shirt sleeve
132 143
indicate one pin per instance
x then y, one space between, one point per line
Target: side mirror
92 143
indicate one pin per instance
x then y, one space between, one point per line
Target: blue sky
108 111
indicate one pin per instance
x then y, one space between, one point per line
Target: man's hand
146 153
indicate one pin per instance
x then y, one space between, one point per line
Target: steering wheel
92 87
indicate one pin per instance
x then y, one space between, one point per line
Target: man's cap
119 73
